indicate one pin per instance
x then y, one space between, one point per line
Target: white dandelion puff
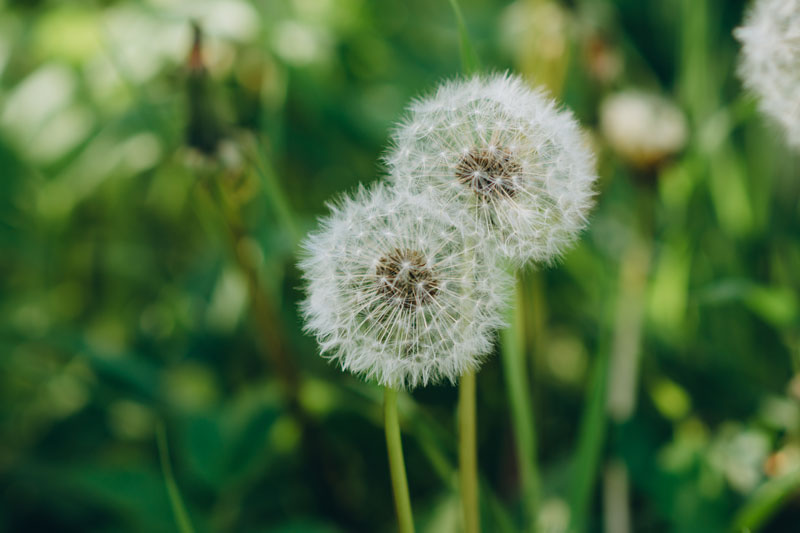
504 153
770 61
396 292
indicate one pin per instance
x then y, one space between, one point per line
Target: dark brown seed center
404 277
490 172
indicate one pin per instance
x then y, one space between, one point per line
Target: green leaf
766 501
231 444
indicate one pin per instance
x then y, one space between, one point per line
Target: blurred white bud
643 128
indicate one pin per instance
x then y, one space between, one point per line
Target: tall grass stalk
469 58
269 325
182 519
516 376
616 498
616 379
591 440
275 193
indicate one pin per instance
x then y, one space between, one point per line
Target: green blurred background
159 163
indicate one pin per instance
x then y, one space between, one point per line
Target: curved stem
182 519
397 468
468 453
519 396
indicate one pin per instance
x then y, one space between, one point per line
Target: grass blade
175 500
765 501
590 444
469 58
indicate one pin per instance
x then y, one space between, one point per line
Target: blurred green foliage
152 198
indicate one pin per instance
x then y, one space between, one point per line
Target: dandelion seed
396 291
770 61
506 155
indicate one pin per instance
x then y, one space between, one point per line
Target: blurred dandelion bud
398 291
537 35
643 128
770 61
506 155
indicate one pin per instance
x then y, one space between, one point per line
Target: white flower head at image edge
505 154
397 294
770 61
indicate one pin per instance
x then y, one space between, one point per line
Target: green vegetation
160 162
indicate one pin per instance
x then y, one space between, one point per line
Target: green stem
590 445
175 500
397 468
467 446
468 453
519 396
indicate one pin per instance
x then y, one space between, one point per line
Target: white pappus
770 61
399 292
505 154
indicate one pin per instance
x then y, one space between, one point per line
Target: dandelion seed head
769 63
397 289
506 155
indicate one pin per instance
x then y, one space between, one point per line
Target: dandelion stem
175 500
468 453
516 376
397 468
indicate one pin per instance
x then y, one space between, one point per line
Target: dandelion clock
770 61
399 292
506 155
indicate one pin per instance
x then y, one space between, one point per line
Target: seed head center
490 172
404 277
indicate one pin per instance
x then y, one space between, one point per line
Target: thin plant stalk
616 498
275 193
616 379
271 332
397 467
468 453
588 453
516 376
467 419
176 502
